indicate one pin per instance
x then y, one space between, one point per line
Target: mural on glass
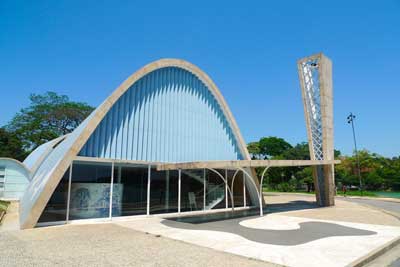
90 190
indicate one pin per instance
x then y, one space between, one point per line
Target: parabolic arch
106 133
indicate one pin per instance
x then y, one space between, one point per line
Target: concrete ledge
375 253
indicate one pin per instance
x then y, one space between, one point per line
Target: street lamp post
350 120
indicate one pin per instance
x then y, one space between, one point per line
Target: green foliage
273 146
285 187
11 145
377 172
49 116
254 150
299 151
4 205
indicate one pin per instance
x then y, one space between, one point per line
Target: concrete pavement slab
329 251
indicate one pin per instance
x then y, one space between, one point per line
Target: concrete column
226 189
69 192
148 189
244 191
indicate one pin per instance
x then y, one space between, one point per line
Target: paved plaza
106 245
280 239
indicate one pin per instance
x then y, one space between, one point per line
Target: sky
85 49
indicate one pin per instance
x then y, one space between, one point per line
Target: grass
339 193
3 205
266 190
3 208
358 193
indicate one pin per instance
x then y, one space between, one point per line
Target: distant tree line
377 172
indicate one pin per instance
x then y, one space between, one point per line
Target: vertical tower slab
315 74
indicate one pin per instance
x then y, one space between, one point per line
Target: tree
254 150
11 145
49 116
273 146
299 151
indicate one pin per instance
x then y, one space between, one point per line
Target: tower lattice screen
310 73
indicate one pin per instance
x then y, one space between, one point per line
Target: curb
375 254
393 200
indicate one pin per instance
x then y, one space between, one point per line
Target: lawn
339 193
358 193
3 205
3 208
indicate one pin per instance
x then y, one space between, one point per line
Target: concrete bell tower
315 74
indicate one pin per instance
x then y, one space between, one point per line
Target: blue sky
85 49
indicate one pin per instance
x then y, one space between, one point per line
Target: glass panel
192 190
249 203
56 208
90 190
237 189
215 192
164 191
130 190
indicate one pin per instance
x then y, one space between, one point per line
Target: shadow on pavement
290 206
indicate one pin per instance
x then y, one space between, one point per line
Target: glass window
56 208
130 190
215 191
249 203
237 190
163 191
192 190
90 190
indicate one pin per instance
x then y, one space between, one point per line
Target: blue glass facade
169 115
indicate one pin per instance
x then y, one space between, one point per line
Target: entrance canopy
234 164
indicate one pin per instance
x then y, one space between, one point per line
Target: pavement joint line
375 254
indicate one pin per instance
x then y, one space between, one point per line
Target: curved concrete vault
168 111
